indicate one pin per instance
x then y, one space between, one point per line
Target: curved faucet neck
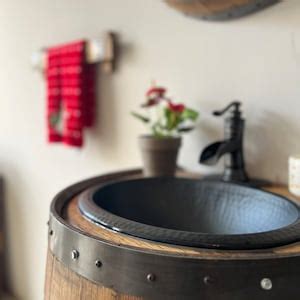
231 148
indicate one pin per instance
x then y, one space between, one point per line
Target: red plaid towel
71 93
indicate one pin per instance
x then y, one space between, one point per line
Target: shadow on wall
208 130
14 222
268 145
105 135
283 11
105 131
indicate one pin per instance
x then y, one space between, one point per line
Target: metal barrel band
154 276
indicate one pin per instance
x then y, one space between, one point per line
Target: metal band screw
75 254
266 284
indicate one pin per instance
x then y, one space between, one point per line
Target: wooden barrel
88 261
218 9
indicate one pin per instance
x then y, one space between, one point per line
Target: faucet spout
212 153
231 148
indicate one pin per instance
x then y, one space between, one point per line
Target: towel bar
100 50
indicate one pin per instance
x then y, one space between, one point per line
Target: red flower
154 96
178 108
156 92
151 102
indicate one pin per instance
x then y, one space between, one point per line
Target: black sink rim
249 241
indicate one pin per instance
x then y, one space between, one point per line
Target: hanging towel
53 95
71 93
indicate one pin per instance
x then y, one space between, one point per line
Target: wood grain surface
63 284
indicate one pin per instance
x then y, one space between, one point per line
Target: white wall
255 59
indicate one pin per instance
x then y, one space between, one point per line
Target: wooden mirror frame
219 10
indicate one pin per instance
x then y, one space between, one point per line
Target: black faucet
231 148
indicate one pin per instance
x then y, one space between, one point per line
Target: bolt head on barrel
75 254
151 277
266 284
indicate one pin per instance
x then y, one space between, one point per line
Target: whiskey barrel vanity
96 253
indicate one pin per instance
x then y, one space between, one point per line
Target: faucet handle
235 112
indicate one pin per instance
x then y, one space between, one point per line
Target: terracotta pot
159 155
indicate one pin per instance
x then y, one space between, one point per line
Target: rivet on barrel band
266 284
75 254
208 280
98 263
151 277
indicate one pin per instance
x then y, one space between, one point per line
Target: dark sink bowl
194 213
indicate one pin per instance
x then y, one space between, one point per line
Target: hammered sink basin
195 213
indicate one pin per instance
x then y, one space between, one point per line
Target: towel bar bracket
101 50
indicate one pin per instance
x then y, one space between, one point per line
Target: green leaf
169 119
140 117
185 129
190 114
172 119
156 130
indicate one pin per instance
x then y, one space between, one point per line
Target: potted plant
167 121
